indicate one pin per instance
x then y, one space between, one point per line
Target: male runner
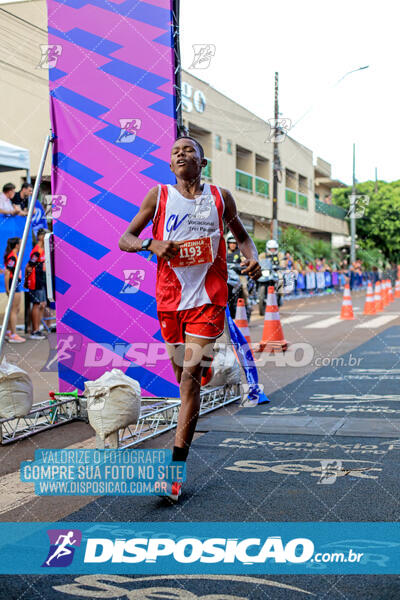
191 289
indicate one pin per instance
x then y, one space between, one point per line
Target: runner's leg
190 384
176 353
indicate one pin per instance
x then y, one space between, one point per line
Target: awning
13 157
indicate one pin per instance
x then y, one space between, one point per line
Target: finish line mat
363 383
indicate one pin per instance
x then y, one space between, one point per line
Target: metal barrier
159 415
45 415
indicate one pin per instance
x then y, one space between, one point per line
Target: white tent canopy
13 157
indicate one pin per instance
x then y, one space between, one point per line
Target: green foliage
371 257
379 226
297 243
321 249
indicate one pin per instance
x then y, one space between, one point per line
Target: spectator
35 277
318 264
6 206
10 261
21 198
288 260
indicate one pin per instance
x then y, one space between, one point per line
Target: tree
379 227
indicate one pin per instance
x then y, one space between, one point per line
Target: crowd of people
14 203
34 281
335 274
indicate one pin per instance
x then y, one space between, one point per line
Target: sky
312 44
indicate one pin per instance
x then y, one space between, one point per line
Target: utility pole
276 167
376 181
352 211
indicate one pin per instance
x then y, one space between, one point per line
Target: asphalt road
326 448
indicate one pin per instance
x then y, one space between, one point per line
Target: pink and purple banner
113 116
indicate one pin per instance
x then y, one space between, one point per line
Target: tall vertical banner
111 68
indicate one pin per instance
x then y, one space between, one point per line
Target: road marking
324 323
295 318
15 493
377 322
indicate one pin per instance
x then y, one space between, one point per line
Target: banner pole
180 129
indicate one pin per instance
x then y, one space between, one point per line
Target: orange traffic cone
241 320
384 293
272 337
378 298
347 306
369 306
390 291
397 289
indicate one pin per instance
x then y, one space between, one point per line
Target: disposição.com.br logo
62 547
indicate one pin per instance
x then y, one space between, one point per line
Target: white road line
15 493
377 322
324 323
295 319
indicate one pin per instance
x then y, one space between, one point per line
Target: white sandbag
16 391
113 401
225 367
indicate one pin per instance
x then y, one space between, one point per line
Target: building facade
239 149
237 143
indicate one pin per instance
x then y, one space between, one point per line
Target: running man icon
62 547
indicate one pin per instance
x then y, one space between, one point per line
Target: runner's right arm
130 241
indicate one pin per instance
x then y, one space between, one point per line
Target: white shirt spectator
6 206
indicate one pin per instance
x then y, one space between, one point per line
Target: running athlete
191 289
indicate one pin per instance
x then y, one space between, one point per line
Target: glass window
303 201
229 146
291 197
262 187
218 142
244 181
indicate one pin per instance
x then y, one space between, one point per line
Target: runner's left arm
245 243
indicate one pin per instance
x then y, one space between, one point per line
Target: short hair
26 185
199 146
8 187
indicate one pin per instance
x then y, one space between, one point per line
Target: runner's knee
190 380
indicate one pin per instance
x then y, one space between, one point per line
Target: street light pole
275 167
352 211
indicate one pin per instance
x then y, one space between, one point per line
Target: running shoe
36 335
176 491
14 338
8 333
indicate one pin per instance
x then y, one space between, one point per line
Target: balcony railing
331 210
244 181
291 197
206 172
262 187
302 201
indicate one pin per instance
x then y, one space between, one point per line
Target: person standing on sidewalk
35 281
191 289
10 261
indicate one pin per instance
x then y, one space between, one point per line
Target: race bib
193 252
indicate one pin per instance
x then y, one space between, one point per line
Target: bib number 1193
193 252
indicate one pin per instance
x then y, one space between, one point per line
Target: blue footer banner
200 548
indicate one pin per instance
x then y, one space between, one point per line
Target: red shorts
205 321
